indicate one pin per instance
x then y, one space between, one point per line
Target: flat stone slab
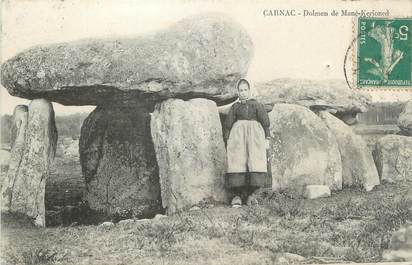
316 191
201 56
331 95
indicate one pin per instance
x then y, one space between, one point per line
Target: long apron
246 152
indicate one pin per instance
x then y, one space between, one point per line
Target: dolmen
154 141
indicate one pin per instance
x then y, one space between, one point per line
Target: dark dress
246 127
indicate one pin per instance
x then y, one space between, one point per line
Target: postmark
384 53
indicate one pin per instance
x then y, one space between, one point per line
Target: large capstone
190 152
405 119
27 180
199 56
358 167
331 95
119 163
393 157
303 150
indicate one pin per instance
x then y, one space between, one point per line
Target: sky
285 47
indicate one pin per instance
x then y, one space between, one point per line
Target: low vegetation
352 225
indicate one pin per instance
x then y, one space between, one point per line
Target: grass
352 225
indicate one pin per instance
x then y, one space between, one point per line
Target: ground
352 225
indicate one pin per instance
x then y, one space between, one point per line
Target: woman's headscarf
253 93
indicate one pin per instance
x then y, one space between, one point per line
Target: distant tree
70 125
381 113
67 126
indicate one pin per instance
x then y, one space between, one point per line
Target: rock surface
19 125
190 152
316 191
107 224
126 221
119 163
405 119
393 158
358 167
157 217
331 95
27 190
348 118
286 258
4 161
400 245
200 56
303 151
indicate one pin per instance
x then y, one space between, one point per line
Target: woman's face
244 91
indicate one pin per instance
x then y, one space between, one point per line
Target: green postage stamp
384 53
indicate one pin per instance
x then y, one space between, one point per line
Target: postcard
206 132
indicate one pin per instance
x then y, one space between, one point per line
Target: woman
247 137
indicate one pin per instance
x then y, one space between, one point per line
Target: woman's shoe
236 202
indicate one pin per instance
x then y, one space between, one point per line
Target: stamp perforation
355 60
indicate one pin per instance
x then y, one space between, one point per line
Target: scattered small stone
316 191
142 220
74 224
85 252
126 221
74 253
400 246
159 216
252 200
288 258
236 202
397 255
194 208
107 224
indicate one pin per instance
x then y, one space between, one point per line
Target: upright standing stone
119 163
190 152
18 129
303 150
27 192
4 164
358 167
393 157
405 119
